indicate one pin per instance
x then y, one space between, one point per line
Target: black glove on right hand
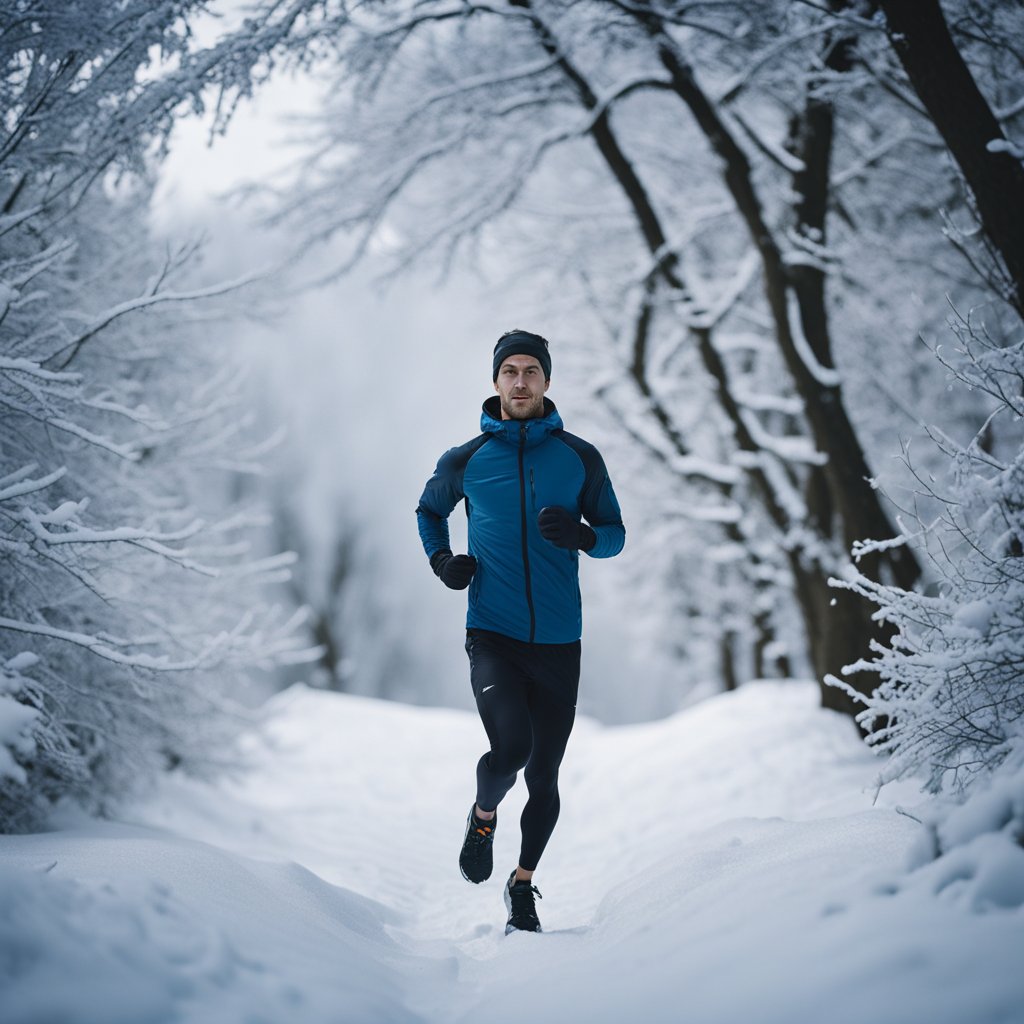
454 571
563 530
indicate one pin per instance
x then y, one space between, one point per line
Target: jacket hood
536 430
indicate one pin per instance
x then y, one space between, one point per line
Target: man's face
521 386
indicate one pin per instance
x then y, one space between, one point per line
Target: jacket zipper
522 508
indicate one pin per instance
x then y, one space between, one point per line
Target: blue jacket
524 586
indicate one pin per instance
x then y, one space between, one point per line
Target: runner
526 482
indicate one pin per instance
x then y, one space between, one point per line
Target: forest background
777 250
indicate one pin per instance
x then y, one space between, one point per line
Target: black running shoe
522 912
477 857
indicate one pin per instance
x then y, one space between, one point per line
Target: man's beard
520 411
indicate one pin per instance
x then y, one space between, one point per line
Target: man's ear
547 384
496 388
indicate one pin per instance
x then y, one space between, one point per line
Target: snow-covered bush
951 701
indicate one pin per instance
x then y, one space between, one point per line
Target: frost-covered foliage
124 613
951 700
126 596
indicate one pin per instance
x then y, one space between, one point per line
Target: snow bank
120 924
16 719
971 852
724 865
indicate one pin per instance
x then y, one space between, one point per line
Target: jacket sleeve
440 496
600 508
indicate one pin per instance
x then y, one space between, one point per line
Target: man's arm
605 536
433 527
598 503
440 496
600 508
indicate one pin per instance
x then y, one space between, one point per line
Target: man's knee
541 781
508 759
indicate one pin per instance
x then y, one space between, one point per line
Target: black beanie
516 343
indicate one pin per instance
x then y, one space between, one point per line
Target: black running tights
526 696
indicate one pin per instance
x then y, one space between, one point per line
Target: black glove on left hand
558 526
454 571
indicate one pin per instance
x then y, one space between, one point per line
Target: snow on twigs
789 449
1006 146
867 547
826 376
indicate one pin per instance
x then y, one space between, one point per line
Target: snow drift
726 864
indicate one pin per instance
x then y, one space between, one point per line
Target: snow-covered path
724 865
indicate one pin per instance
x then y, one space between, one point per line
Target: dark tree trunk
920 36
838 627
843 505
762 639
844 619
727 657
856 502
778 664
664 274
325 619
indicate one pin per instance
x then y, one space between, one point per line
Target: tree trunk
727 660
844 619
838 628
920 36
843 506
856 502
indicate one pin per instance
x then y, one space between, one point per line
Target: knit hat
515 343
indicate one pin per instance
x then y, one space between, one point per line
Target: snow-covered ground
724 865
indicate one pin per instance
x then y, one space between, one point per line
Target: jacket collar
529 432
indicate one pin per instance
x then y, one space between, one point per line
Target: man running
526 482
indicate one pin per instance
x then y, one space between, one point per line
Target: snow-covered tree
975 132
129 593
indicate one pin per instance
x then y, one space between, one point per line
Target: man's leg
552 709
500 689
554 680
501 692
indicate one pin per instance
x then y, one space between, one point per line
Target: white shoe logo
486 688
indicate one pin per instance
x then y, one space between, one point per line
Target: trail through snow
723 865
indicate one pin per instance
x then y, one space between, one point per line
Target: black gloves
454 571
559 527
555 524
